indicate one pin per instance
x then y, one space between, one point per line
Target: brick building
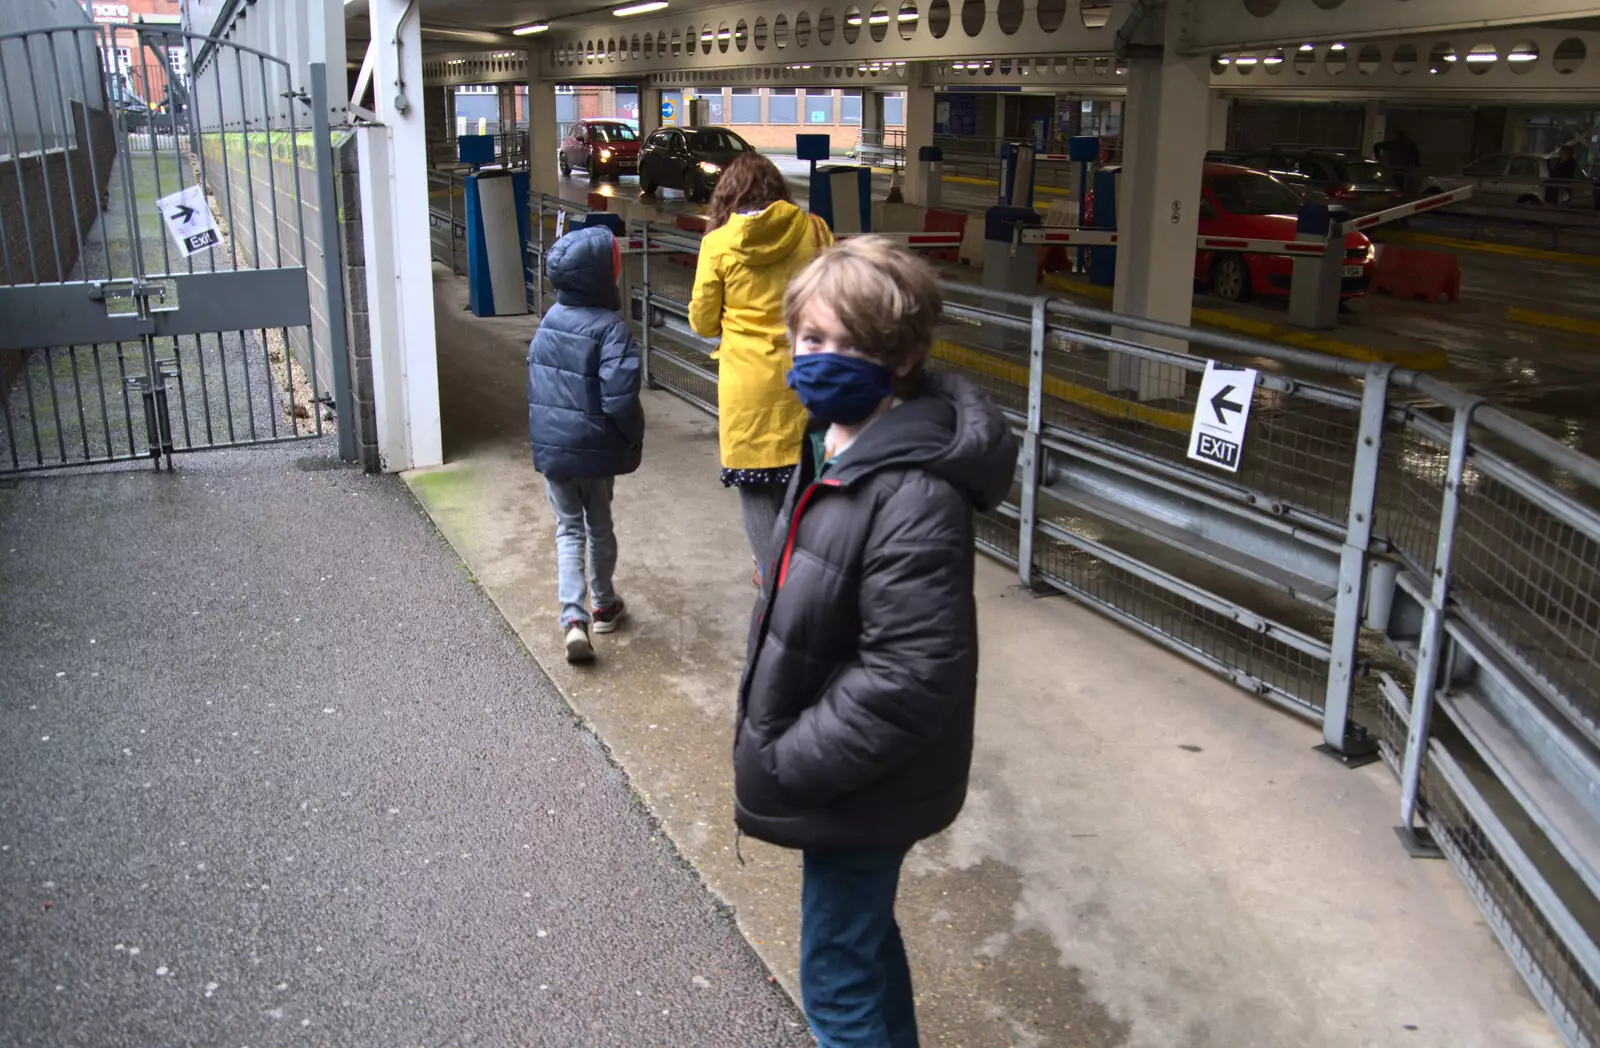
135 72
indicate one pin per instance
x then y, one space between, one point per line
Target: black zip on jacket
856 705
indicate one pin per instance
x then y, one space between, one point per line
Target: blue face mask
837 388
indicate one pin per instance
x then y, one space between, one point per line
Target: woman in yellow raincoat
758 241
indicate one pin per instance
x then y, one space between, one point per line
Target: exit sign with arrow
188 218
1220 415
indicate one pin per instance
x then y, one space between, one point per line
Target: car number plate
1354 271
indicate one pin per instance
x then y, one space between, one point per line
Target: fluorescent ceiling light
1336 47
1522 56
529 30
639 9
1308 47
1479 56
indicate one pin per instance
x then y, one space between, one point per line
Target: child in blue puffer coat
586 425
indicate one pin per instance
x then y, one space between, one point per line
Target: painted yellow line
1553 321
1417 360
969 181
1513 250
1016 374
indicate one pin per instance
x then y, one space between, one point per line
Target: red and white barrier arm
1056 157
1067 235
1303 248
923 240
1416 207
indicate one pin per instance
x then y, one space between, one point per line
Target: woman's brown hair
750 182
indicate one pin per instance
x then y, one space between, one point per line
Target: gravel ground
274 771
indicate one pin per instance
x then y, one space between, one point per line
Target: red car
1252 205
602 148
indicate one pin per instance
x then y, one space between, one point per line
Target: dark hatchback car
1326 176
688 158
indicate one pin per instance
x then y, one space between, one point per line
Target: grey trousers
759 505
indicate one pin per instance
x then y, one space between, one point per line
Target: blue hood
580 268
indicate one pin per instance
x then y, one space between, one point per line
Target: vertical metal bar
11 433
227 169
644 306
66 153
205 182
538 276
188 262
1430 655
33 410
450 186
55 400
1032 457
1339 735
77 393
155 156
332 263
22 181
94 174
105 409
127 406
255 252
300 229
227 387
277 258
44 167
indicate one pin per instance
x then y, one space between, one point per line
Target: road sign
188 217
1220 414
668 110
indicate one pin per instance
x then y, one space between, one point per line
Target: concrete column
871 113
543 175
999 117
1374 126
649 109
1166 125
919 132
395 196
1221 110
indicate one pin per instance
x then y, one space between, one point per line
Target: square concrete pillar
543 175
919 133
1165 130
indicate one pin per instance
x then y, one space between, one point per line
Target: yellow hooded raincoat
744 268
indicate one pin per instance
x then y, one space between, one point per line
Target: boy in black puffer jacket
856 707
586 424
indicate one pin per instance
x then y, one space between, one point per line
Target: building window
714 109
176 62
819 107
894 108
783 106
850 107
746 106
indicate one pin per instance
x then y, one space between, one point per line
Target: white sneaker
578 647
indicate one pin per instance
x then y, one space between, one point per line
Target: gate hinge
299 95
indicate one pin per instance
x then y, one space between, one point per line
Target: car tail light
1343 193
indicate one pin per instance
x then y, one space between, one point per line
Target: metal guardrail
1395 560
447 217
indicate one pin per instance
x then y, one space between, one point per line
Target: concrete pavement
273 772
1148 857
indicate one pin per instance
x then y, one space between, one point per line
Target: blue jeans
583 521
854 980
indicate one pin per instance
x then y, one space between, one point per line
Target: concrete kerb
1093 890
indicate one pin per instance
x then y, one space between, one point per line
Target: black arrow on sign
1220 402
184 213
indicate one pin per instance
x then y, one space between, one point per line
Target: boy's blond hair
887 299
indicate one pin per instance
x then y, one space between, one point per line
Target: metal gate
132 328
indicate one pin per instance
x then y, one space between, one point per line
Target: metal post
332 263
1032 453
538 270
1430 655
644 312
1342 739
